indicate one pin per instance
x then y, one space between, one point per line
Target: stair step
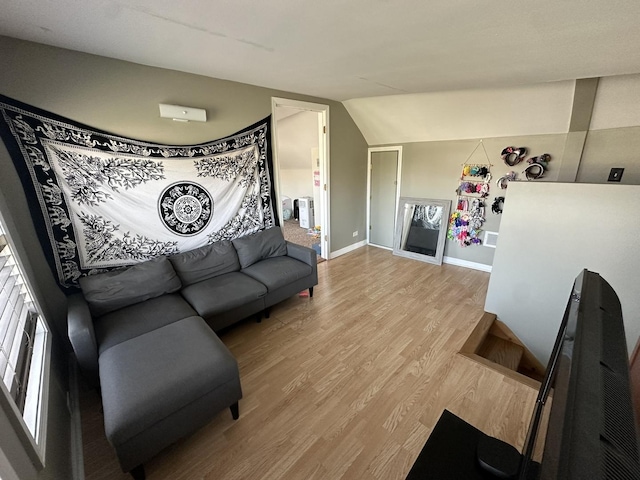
492 344
479 333
501 351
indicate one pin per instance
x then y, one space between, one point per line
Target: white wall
548 234
295 183
616 103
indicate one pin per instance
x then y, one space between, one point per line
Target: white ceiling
340 49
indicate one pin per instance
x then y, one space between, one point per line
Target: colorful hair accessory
474 171
465 225
512 155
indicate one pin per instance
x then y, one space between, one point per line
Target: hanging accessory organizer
466 220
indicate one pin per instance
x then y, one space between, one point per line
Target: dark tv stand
457 450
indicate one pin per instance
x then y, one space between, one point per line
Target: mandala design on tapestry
185 208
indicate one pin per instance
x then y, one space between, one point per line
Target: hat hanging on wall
505 179
513 156
537 166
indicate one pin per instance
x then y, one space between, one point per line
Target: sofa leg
267 312
259 317
138 472
235 411
310 292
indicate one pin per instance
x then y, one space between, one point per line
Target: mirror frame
442 235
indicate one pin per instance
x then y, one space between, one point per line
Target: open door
301 149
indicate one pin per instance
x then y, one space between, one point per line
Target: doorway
301 149
383 185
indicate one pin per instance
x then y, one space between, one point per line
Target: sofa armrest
304 254
82 335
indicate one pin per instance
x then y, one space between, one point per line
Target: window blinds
18 320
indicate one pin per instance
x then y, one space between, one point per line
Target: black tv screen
591 432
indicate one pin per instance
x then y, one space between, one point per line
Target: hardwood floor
346 385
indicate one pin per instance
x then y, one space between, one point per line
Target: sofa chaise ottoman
178 378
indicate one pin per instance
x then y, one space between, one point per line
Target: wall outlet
355 234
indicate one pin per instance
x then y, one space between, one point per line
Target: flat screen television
591 432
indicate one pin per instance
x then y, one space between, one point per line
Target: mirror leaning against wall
421 229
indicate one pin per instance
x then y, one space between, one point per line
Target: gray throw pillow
264 244
106 292
205 262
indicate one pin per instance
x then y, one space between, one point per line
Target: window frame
34 445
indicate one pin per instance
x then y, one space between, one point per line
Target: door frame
393 148
323 154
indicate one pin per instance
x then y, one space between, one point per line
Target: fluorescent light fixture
183 114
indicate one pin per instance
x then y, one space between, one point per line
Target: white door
384 187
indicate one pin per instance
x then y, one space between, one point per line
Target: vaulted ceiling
347 49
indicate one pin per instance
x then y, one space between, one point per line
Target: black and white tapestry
101 201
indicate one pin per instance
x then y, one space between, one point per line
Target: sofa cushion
135 320
174 366
106 292
222 293
276 272
206 262
258 246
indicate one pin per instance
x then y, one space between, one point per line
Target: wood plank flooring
346 385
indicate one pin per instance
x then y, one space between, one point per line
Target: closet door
383 194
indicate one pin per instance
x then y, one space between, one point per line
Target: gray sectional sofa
146 334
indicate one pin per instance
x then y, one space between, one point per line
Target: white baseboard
348 249
380 246
450 260
77 452
467 264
